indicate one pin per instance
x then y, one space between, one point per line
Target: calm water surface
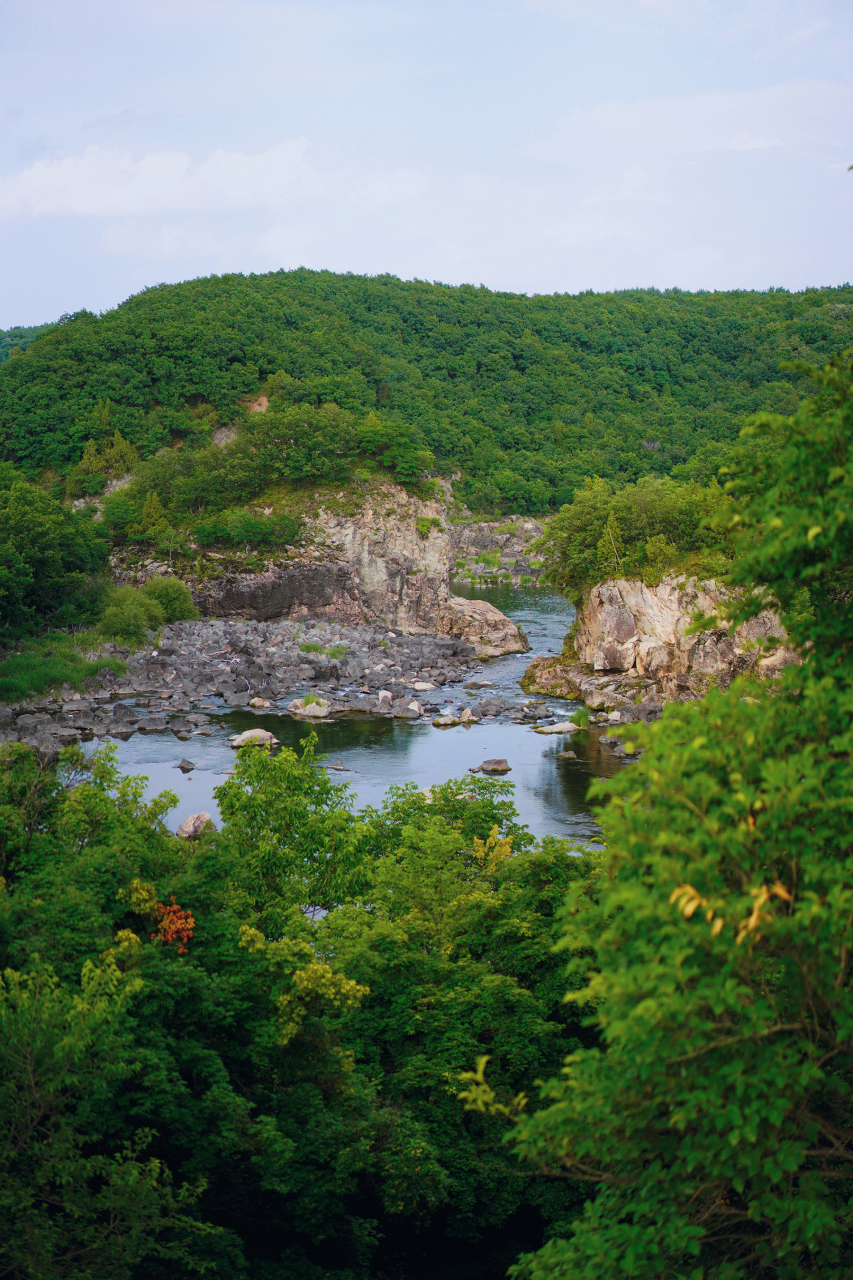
550 794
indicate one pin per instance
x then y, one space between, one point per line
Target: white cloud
110 183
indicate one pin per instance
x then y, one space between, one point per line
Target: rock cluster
631 641
207 667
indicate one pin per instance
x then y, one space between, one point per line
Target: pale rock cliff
387 561
631 639
400 549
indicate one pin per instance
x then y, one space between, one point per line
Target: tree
714 1125
70 1205
611 548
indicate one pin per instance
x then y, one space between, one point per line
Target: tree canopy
712 1122
525 396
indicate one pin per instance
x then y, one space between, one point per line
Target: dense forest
413 1042
522 398
14 341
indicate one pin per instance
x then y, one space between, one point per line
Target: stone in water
193 827
252 737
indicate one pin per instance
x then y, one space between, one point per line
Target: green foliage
113 457
527 396
425 525
72 1206
791 516
643 530
714 1122
240 527
610 549
48 557
173 597
332 651
13 342
283 1010
131 613
50 661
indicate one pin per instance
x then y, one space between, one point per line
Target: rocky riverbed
202 669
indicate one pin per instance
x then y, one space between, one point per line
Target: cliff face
632 640
625 625
387 561
294 590
400 549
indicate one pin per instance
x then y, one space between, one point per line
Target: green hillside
524 396
14 341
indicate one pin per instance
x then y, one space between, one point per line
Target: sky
538 146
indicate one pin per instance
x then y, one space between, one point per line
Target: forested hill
526 396
13 341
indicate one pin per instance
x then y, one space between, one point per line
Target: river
373 754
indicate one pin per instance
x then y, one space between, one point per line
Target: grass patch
331 651
425 524
581 716
49 661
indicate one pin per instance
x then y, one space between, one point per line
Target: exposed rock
253 737
511 540
482 625
319 710
284 591
565 726
194 827
388 562
627 625
494 767
186 766
631 641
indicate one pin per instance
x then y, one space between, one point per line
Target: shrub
425 525
130 614
172 596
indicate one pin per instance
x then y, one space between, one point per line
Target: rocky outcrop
400 549
478 544
632 640
381 556
291 590
482 625
625 625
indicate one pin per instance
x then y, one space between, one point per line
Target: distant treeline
14 341
522 397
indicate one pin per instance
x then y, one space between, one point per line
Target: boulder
252 738
494 767
319 710
480 624
565 726
193 827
